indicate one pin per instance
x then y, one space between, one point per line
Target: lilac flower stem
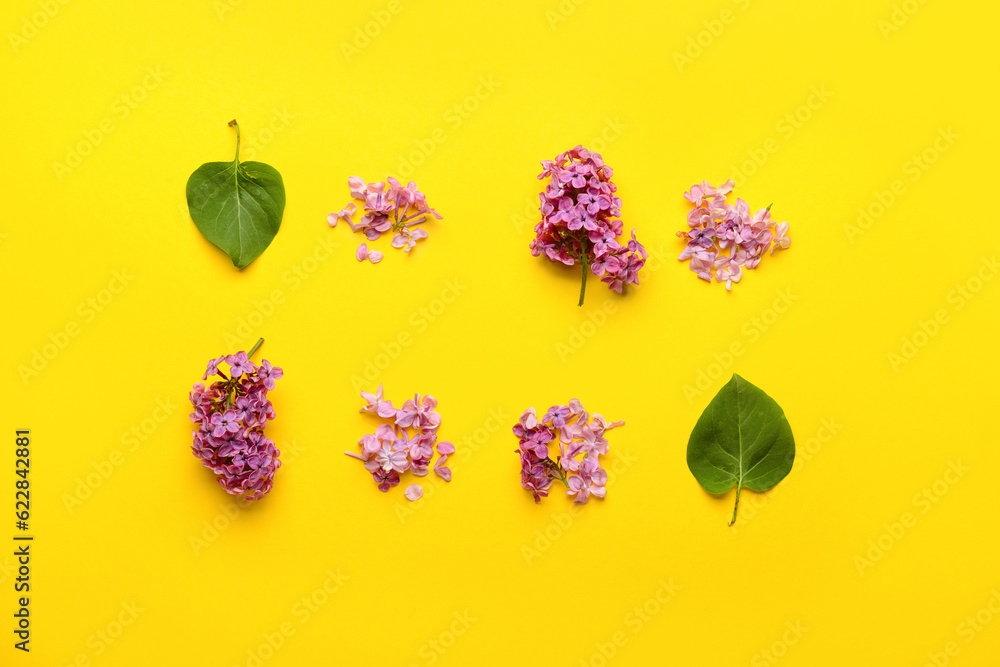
255 348
555 470
739 487
583 282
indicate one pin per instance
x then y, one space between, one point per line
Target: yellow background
600 73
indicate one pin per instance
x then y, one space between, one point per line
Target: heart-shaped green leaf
237 205
743 439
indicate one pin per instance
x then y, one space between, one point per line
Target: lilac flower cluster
231 415
396 209
716 226
407 442
579 221
581 444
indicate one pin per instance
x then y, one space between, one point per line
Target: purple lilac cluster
231 415
395 209
581 444
406 442
716 226
580 224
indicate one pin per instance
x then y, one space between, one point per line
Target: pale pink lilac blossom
715 226
377 404
395 209
581 442
580 224
344 214
406 443
231 414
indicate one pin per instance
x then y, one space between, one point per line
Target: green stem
255 348
583 283
739 487
556 471
233 123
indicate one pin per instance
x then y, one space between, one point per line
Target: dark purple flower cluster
231 415
579 221
536 466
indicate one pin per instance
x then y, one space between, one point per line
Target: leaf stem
255 348
583 282
739 487
233 123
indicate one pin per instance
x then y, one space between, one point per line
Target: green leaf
743 439
237 205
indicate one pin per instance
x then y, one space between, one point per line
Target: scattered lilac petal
724 239
389 207
405 444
